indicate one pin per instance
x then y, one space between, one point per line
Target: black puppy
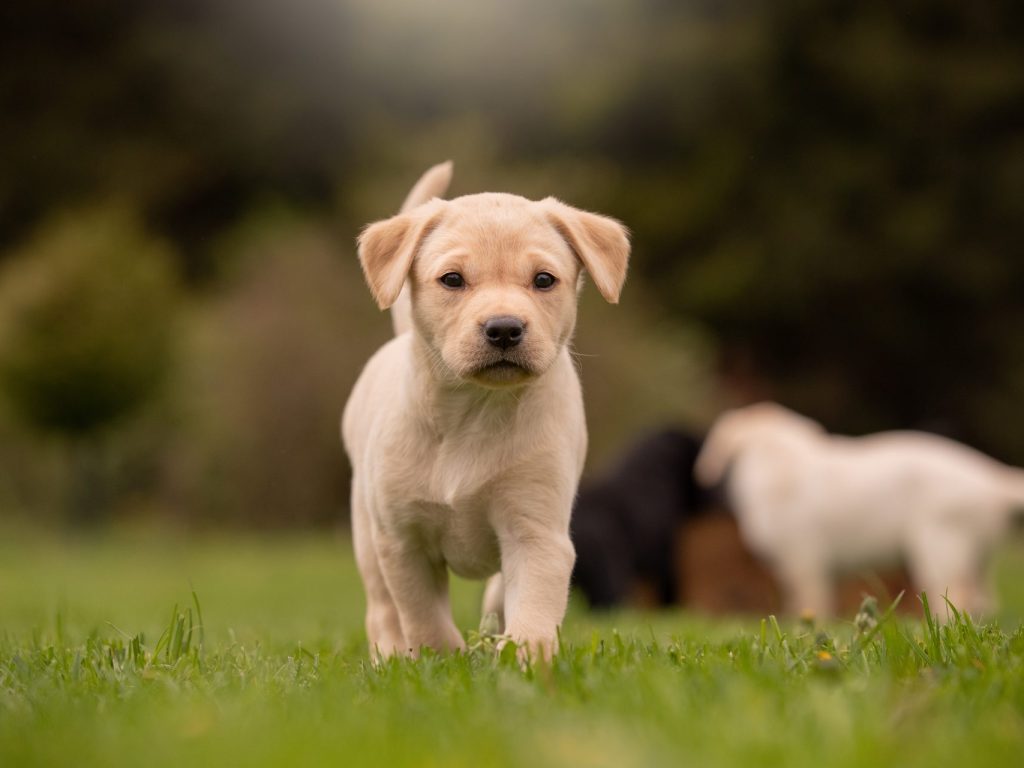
625 523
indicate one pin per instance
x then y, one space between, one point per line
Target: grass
107 659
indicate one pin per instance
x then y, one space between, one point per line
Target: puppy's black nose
504 331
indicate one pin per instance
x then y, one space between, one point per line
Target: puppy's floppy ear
387 248
601 243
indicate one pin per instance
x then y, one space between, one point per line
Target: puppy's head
737 429
493 279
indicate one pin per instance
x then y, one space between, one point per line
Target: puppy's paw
530 651
541 649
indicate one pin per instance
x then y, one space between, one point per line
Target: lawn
98 667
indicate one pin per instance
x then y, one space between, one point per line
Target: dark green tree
86 334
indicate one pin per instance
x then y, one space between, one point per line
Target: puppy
466 431
626 522
813 504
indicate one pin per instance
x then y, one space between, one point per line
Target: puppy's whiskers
577 359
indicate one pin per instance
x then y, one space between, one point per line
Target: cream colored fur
814 504
461 459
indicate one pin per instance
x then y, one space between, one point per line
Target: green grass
98 666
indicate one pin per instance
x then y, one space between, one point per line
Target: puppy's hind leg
494 600
946 564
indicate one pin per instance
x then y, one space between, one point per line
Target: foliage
243 674
270 359
825 198
804 697
87 326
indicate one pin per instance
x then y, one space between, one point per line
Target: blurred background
826 199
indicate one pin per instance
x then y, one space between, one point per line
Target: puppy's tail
433 183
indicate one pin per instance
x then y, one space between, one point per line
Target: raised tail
433 183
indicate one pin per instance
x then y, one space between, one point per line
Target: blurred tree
86 331
834 191
271 360
192 109
837 191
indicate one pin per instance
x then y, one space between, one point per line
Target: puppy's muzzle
504 331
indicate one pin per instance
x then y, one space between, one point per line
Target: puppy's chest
463 470
462 537
447 496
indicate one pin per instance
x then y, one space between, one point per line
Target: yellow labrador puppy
813 504
466 431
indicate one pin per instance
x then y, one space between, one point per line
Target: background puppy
466 431
625 522
647 534
813 504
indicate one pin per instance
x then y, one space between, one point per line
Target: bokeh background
826 200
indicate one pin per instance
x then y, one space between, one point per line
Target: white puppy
813 504
466 431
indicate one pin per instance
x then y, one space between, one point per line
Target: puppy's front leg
536 564
419 589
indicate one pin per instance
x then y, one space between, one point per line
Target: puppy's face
494 289
493 279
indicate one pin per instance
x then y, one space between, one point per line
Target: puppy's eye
452 280
544 281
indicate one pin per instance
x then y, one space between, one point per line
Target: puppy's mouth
503 371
